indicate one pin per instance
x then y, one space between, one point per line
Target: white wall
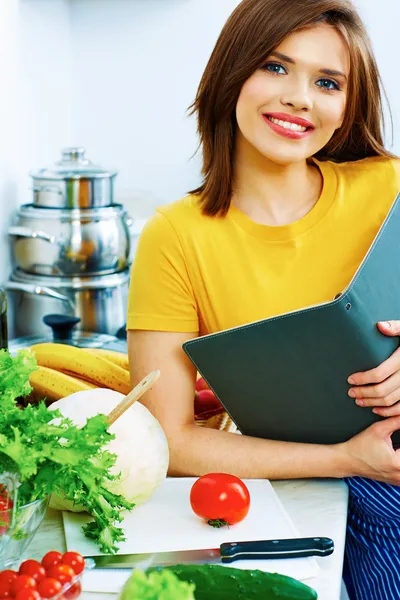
8 121
117 76
137 65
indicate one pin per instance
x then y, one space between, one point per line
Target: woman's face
290 108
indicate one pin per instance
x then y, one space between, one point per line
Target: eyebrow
332 72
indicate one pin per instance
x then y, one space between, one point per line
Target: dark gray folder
285 377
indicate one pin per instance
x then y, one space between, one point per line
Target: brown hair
252 32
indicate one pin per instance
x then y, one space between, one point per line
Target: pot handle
26 232
48 188
30 288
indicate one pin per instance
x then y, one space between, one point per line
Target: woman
296 185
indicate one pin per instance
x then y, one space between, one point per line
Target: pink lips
289 133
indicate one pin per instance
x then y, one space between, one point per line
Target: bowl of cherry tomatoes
57 577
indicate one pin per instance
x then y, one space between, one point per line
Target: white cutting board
167 523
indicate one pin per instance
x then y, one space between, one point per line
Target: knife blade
228 552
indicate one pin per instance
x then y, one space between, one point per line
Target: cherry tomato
63 573
32 568
73 592
5 514
51 559
28 594
74 560
8 575
22 582
206 401
49 587
201 385
5 587
220 498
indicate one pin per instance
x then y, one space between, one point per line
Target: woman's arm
197 450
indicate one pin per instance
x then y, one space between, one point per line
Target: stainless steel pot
100 302
66 242
73 182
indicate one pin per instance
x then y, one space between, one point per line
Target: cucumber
215 582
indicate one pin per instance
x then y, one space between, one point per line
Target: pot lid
61 331
114 280
73 165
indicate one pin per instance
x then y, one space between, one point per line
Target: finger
386 427
381 391
389 327
379 402
379 373
389 411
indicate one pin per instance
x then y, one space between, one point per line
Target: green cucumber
215 582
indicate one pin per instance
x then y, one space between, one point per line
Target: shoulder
371 171
178 219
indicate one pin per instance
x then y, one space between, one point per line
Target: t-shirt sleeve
160 294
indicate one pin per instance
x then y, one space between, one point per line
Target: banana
82 364
53 385
118 358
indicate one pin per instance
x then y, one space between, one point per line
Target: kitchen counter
316 507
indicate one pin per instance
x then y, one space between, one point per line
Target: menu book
285 377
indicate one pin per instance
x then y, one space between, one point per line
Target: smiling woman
296 184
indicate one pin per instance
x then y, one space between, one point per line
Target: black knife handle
267 549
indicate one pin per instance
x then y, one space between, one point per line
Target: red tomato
22 582
206 401
51 559
8 576
201 385
73 592
28 594
5 505
63 573
49 587
74 560
220 498
32 568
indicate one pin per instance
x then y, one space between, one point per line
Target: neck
271 193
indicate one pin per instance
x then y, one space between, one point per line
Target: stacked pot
71 248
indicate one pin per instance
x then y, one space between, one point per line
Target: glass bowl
17 530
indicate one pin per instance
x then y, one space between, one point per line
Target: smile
286 124
288 129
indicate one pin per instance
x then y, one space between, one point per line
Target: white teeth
287 125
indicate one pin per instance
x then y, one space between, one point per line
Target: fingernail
360 402
352 393
351 380
386 324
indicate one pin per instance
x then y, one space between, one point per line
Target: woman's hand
380 387
370 453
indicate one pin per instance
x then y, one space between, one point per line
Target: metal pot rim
95 282
46 175
78 214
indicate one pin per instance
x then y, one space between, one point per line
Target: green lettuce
158 585
50 454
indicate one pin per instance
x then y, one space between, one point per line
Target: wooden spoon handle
133 395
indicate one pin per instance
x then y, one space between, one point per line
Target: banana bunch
64 370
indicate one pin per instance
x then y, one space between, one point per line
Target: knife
226 553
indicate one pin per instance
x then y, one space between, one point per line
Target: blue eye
275 68
328 84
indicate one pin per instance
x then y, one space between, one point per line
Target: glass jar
3 320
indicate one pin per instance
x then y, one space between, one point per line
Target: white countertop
316 507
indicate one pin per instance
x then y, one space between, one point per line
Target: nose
297 96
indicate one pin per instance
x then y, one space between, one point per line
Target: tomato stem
217 523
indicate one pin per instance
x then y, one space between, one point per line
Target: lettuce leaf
158 585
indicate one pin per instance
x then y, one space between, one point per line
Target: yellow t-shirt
195 273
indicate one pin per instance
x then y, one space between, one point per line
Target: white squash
140 444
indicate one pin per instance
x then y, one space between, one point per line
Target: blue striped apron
372 555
